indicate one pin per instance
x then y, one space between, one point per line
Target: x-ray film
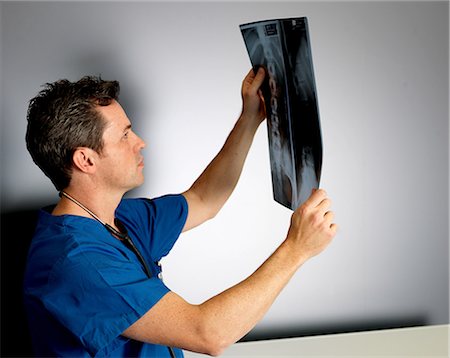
283 48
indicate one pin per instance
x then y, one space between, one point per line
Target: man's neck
92 204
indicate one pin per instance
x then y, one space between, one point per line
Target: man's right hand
312 227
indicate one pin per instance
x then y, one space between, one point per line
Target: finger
259 78
254 80
247 82
250 76
329 216
324 205
334 228
316 197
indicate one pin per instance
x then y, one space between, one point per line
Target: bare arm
214 186
222 320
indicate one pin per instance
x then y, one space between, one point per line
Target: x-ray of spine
295 142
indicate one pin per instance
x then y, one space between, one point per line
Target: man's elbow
214 341
210 208
215 347
213 211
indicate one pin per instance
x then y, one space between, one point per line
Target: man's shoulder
167 200
169 208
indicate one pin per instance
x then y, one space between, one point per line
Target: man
91 284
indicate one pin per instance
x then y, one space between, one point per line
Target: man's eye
125 135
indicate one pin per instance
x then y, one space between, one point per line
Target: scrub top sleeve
159 221
170 216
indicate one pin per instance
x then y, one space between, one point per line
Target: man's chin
136 185
140 181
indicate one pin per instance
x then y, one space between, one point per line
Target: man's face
120 165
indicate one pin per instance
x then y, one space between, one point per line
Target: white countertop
426 341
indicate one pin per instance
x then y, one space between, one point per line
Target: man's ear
84 159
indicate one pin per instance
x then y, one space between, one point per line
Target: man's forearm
215 185
222 320
234 312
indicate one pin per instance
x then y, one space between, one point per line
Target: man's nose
140 143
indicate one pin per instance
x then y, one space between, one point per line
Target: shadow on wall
17 229
335 328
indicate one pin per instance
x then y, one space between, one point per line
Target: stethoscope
122 235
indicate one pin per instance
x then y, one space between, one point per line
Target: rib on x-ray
283 48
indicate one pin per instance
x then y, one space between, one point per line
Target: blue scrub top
83 287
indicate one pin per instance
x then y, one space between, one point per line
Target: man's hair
62 118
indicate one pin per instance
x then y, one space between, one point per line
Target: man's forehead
114 115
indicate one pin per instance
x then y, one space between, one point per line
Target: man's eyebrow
127 128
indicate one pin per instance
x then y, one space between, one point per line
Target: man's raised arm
214 186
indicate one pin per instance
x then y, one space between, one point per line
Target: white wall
382 79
